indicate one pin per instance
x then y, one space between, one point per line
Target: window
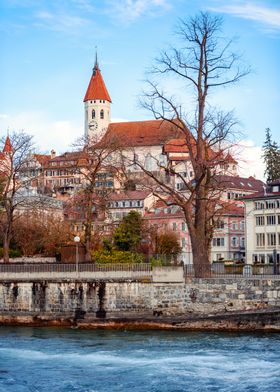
220 224
260 239
183 226
242 225
148 162
270 205
234 242
270 219
259 220
218 241
271 239
183 242
93 113
102 114
242 242
174 226
259 205
234 226
179 186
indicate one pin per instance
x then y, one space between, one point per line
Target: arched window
102 114
93 113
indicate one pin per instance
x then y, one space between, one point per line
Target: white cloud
61 22
130 10
270 17
47 133
250 159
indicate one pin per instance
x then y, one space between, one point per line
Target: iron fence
221 270
81 267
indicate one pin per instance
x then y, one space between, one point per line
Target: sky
48 51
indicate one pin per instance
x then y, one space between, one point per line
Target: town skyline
56 43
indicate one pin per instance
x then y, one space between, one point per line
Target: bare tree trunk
88 241
88 234
6 243
202 267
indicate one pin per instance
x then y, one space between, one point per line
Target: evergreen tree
128 234
271 157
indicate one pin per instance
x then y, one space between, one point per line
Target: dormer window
102 114
93 113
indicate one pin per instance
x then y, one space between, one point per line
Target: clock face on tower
93 125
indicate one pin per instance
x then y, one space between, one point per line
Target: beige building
262 214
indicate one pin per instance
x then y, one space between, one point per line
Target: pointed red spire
8 146
96 88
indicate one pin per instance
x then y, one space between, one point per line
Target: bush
116 257
156 262
12 253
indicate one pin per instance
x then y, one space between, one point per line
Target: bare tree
101 169
203 63
14 160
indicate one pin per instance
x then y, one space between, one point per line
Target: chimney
53 154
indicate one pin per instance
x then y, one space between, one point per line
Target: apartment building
262 214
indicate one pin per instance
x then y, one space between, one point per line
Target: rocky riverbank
267 320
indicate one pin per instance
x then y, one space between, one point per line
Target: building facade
262 213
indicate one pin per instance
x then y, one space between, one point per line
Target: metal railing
129 271
82 267
221 270
69 271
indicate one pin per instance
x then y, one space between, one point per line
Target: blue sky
47 54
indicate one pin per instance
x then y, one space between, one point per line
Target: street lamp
77 240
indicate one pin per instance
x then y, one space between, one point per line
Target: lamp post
77 240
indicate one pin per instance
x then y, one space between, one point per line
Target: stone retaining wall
196 296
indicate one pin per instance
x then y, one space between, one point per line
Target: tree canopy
271 156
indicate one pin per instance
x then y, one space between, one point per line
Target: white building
262 214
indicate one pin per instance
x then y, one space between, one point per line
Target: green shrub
156 262
12 253
116 257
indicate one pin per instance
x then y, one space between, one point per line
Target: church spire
8 146
97 103
97 88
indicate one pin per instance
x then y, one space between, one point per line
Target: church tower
97 106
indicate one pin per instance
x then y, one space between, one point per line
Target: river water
48 359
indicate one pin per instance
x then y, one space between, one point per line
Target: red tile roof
141 133
42 159
129 195
262 195
176 145
97 88
242 183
